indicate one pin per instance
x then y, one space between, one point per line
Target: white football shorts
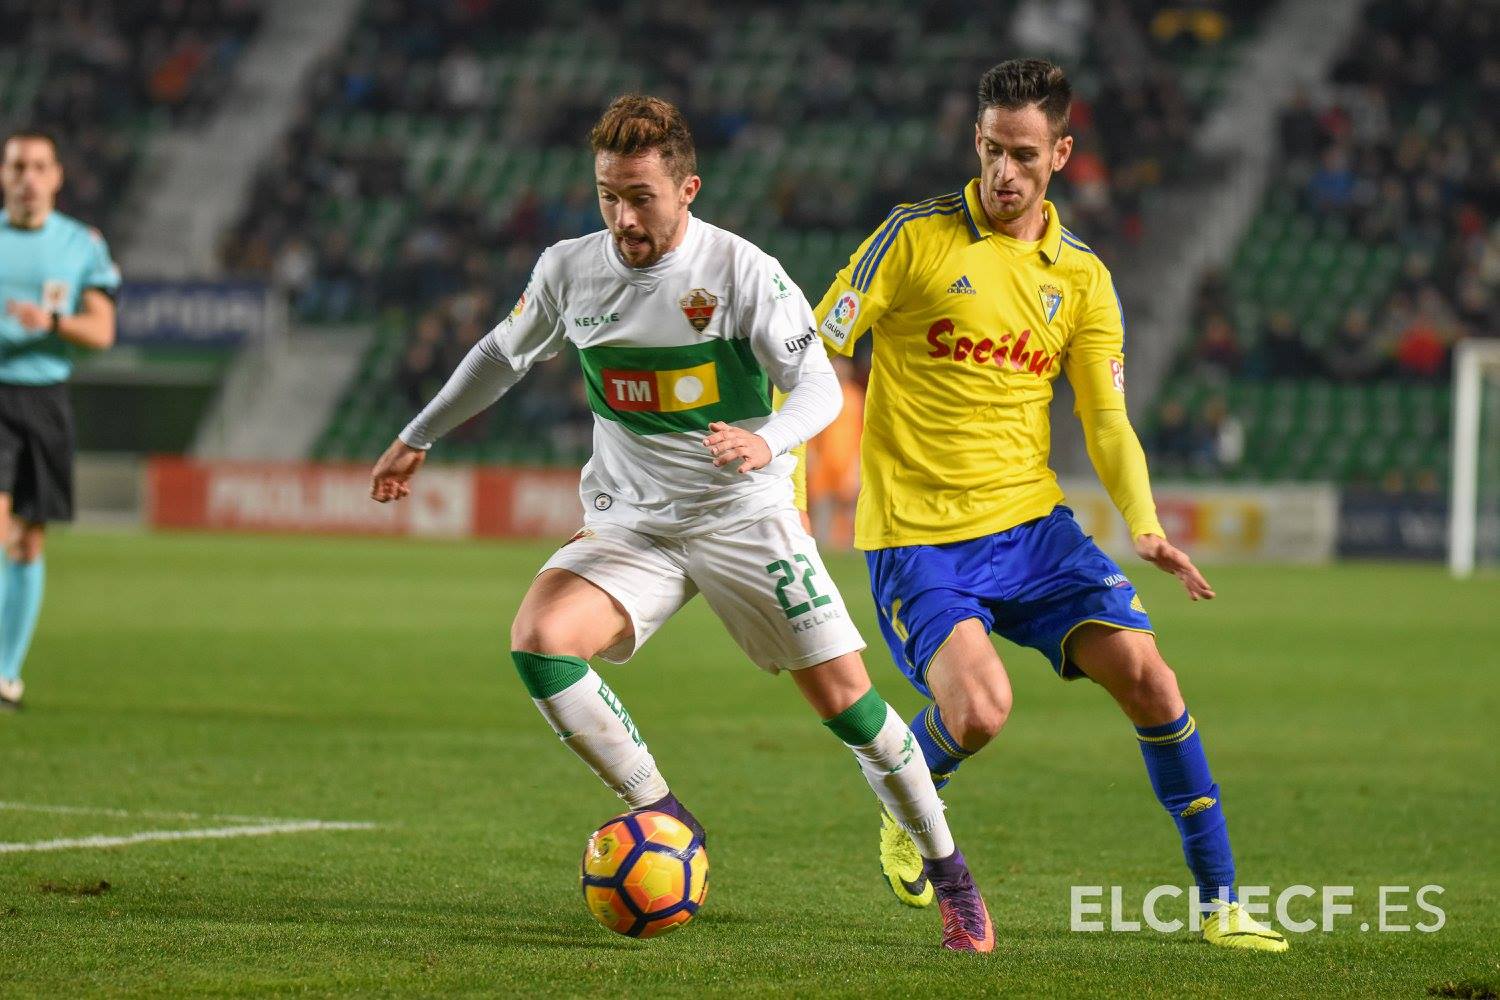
765 581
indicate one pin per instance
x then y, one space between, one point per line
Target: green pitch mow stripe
1349 713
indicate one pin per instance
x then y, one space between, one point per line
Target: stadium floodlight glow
1476 452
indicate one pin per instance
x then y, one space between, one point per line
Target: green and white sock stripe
861 722
545 675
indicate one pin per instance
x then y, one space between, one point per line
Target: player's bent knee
976 721
548 633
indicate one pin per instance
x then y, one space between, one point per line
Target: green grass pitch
1350 714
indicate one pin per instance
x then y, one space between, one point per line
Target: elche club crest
1051 299
698 306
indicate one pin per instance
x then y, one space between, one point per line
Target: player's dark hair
638 123
36 133
1020 83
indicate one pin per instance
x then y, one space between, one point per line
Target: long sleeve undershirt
1120 462
481 378
810 405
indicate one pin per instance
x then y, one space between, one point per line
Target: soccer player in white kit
681 329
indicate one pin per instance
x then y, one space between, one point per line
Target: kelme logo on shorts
661 392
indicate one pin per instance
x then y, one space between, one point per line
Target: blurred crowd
1404 151
856 63
106 71
1204 443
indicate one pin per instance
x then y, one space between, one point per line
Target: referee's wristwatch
56 319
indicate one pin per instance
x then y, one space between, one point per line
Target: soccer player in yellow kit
976 301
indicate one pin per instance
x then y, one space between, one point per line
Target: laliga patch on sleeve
840 322
520 305
1117 374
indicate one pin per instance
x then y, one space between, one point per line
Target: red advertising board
335 499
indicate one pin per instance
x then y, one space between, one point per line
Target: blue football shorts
1033 584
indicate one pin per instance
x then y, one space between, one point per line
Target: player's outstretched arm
1165 556
391 479
532 332
481 378
1120 461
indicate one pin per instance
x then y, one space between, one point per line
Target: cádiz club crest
1051 299
698 306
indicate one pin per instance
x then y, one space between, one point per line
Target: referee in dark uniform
58 284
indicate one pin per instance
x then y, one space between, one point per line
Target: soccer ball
644 874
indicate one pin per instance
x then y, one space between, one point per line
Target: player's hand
1166 557
391 479
30 315
728 443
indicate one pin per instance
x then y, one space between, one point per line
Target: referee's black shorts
36 451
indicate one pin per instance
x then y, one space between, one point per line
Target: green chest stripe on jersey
658 390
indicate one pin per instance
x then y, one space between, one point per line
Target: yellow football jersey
971 327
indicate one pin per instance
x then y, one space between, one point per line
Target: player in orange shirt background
833 463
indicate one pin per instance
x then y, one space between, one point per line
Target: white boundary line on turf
217 833
142 814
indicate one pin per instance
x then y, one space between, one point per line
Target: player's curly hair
1019 83
638 123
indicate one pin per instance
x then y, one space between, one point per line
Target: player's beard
638 248
653 244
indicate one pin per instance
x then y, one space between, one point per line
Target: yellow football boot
1227 925
902 864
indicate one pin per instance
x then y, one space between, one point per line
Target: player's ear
1061 150
690 188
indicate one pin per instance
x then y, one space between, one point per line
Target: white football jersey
700 336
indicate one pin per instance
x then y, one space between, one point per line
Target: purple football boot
966 920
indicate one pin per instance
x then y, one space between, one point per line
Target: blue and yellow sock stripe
940 735
1177 732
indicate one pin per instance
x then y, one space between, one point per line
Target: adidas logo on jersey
961 287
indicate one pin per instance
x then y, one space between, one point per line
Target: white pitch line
140 814
215 833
